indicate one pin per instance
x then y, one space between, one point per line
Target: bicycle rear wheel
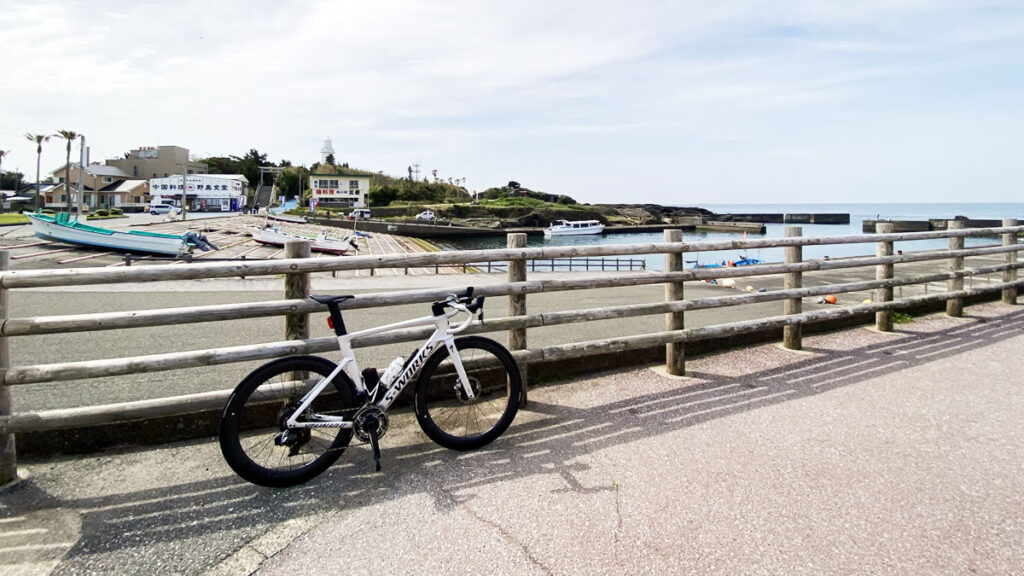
442 409
252 427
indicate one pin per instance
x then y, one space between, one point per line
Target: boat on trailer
61 228
274 236
573 228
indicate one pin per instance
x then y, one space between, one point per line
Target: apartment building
150 162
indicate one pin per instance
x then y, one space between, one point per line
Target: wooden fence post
791 334
955 306
296 287
8 455
517 303
675 358
883 318
1010 294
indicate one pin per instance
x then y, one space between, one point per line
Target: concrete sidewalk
867 453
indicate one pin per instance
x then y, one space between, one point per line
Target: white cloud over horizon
674 103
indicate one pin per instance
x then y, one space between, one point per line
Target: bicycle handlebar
463 302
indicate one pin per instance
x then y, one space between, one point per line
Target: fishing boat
274 236
573 228
61 228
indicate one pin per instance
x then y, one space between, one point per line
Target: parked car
427 215
156 209
359 214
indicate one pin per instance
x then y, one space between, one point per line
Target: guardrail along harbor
896 280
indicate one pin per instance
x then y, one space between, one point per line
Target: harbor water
858 214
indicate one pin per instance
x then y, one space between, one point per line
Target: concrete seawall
785 218
926 225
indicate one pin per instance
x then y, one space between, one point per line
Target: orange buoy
830 299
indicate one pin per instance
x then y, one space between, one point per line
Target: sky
681 103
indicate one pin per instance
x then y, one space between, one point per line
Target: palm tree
38 139
69 136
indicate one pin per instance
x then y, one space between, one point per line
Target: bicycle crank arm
376 448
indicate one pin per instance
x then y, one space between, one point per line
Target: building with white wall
205 192
339 190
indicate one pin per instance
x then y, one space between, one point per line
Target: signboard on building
204 191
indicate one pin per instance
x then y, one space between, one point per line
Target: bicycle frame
443 334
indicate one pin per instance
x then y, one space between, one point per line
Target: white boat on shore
60 228
573 228
274 236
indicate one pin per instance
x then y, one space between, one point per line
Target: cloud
549 90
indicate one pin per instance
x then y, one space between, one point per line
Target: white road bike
291 418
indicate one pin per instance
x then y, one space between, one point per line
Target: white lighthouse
326 150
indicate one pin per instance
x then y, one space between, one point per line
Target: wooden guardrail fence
295 307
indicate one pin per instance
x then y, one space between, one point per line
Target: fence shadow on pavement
219 515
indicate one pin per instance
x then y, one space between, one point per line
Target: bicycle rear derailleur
370 425
294 438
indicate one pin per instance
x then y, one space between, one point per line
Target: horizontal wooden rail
191 359
214 313
195 271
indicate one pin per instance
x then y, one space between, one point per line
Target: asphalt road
867 453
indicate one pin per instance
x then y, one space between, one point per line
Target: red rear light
330 323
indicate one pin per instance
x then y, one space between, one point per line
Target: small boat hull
61 229
321 243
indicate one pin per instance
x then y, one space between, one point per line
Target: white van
155 209
359 214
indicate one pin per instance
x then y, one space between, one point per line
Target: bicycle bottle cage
333 303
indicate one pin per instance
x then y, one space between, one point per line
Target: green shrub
901 318
102 212
116 212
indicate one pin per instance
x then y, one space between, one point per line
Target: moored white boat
321 243
61 228
573 228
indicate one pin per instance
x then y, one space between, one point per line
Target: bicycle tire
254 414
441 408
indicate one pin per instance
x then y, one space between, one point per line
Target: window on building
353 185
107 179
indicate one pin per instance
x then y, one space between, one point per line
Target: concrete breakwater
787 218
929 225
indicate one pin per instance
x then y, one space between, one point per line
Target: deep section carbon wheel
253 436
445 412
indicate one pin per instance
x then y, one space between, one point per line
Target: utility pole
81 177
184 195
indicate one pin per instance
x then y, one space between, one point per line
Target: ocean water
858 213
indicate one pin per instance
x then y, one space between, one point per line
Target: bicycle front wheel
443 409
253 436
